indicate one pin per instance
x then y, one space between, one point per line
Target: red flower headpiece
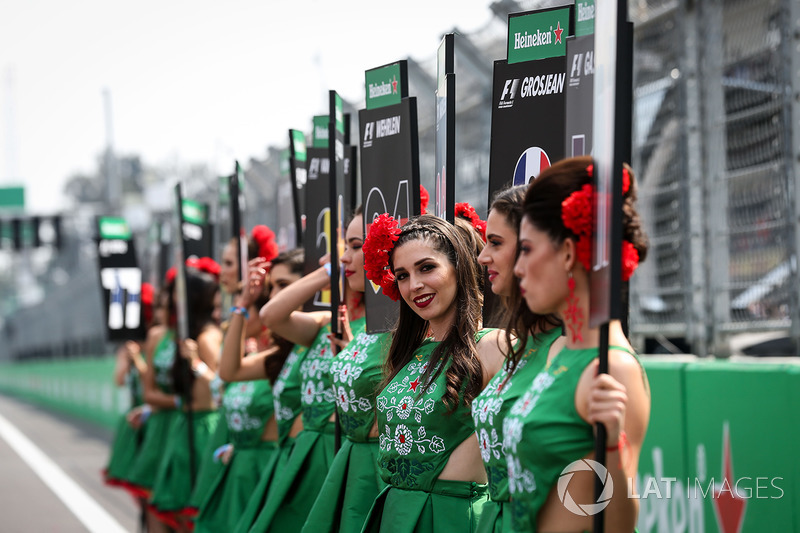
424 198
169 277
382 234
467 212
577 213
204 264
265 238
146 296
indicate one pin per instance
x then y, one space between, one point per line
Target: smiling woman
439 360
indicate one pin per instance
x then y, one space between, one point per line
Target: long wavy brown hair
521 323
457 353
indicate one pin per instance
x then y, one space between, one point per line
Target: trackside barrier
720 453
80 387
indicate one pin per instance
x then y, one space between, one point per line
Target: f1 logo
369 130
510 89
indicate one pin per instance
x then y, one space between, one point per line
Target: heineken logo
538 35
320 132
114 228
524 40
585 12
376 90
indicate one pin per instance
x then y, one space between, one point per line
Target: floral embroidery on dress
346 372
490 444
528 401
405 406
316 392
405 471
404 439
519 479
284 413
346 400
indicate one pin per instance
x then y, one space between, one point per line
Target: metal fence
715 115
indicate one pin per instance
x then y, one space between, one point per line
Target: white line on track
87 510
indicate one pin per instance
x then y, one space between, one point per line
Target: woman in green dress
260 243
353 481
531 335
161 401
191 375
439 361
248 403
551 426
294 490
128 371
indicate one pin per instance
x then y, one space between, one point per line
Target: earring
573 317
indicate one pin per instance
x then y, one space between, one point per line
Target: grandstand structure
716 150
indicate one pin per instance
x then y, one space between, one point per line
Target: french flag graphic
530 164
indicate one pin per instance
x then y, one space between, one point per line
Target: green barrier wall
80 387
697 406
687 482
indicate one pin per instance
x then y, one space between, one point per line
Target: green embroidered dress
127 440
209 469
417 436
287 407
353 481
143 472
489 410
543 433
295 489
247 407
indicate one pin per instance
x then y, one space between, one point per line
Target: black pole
183 327
600 430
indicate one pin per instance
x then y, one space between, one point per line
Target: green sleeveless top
247 405
316 392
544 433
163 358
492 405
356 374
417 432
286 392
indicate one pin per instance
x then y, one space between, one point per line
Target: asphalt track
73 453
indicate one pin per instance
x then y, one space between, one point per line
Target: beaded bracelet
240 311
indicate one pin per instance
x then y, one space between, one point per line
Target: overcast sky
189 81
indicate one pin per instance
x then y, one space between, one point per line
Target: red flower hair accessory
204 264
382 234
146 296
424 199
467 212
265 238
169 277
577 213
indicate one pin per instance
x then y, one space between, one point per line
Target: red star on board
394 85
414 384
729 507
558 31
